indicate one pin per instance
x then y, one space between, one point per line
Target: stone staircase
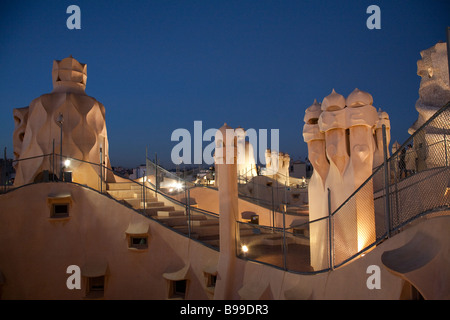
202 227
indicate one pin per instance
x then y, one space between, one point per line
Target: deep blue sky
160 65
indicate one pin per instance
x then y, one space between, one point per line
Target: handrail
282 231
142 186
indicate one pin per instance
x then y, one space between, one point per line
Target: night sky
161 65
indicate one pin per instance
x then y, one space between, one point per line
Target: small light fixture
176 186
60 119
244 249
67 163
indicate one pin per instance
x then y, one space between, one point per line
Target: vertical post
273 210
101 170
146 164
386 186
448 51
60 120
156 172
284 229
188 208
144 179
53 161
445 149
60 156
4 170
330 238
143 193
396 193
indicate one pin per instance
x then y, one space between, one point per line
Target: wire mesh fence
419 172
414 181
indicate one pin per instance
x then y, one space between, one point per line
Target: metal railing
413 182
267 193
401 191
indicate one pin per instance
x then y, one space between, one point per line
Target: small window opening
60 210
138 242
96 287
211 280
300 232
179 289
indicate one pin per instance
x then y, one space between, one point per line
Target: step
134 202
248 233
204 222
185 230
298 211
210 238
137 203
173 221
174 213
178 218
154 210
119 186
122 194
152 204
204 231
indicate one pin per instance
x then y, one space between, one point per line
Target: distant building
297 169
138 172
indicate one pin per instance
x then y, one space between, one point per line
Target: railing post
53 161
188 208
284 228
448 51
143 194
273 210
4 171
445 148
101 171
60 159
156 173
387 208
60 121
330 234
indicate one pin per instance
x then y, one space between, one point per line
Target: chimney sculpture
66 119
341 146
